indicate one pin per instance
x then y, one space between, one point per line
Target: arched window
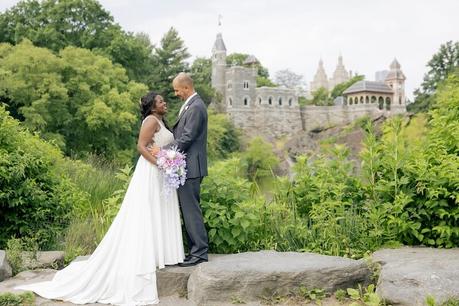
270 100
246 101
290 102
400 100
259 100
387 103
361 100
351 101
381 103
280 100
230 102
373 99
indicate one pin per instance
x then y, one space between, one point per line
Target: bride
145 234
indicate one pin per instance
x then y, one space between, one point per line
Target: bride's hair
147 104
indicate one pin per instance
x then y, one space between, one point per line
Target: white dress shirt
185 103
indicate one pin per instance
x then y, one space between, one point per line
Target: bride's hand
154 150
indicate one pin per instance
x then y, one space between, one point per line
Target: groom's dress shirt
186 102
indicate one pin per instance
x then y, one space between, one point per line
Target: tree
445 61
259 159
321 97
340 88
56 24
169 60
201 72
262 72
288 78
79 100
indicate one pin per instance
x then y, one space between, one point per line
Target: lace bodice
163 136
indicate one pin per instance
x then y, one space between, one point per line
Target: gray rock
43 260
409 275
173 280
251 276
5 268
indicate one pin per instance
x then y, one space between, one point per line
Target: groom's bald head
183 86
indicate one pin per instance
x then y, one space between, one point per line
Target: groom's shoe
191 261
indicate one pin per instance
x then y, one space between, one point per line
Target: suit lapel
185 109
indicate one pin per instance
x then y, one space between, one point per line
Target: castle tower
395 79
219 65
340 75
320 78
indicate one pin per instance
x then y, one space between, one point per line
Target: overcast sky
295 34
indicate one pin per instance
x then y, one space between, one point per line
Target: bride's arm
147 131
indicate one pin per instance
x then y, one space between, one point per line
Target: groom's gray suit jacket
190 133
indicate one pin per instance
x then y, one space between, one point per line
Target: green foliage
35 200
340 88
259 159
228 208
169 60
340 295
367 296
201 72
79 100
321 97
20 251
11 299
442 63
315 295
57 24
223 138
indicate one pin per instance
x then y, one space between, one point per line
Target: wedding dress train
145 234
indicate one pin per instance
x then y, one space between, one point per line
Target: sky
295 34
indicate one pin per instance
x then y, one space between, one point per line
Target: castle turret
320 79
395 79
340 75
219 65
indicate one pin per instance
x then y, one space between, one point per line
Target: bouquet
172 164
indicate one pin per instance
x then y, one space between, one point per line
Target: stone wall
271 121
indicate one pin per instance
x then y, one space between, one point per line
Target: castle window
351 101
290 102
230 85
270 100
280 101
246 101
381 103
246 85
259 100
230 102
387 103
373 99
361 100
400 100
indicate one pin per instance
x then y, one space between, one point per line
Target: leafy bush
11 299
35 201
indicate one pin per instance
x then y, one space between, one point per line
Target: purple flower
172 164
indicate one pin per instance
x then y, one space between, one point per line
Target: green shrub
35 200
11 299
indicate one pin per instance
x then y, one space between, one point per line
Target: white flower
171 154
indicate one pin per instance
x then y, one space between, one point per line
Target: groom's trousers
189 198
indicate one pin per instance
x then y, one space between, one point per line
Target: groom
190 134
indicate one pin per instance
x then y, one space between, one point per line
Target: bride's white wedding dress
145 234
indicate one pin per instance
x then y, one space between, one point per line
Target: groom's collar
190 97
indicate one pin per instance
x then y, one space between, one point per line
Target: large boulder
251 276
408 275
5 268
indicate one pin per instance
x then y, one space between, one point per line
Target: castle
274 112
